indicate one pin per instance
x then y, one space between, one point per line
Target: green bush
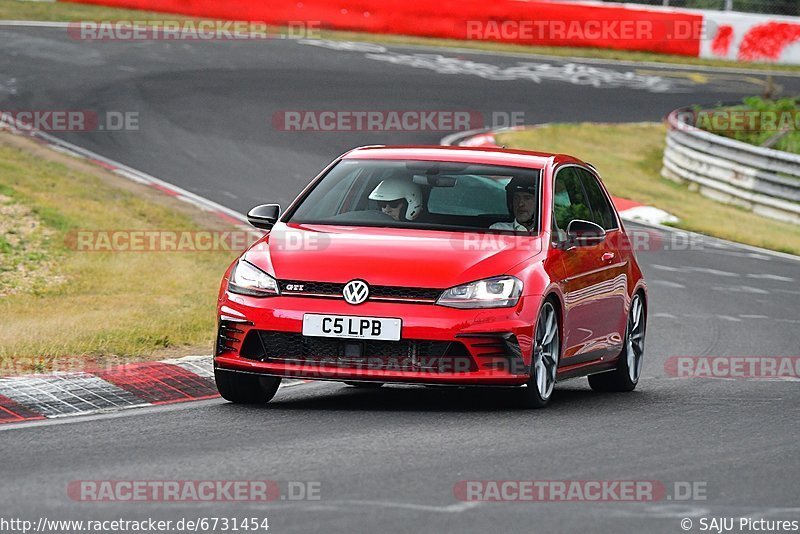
768 119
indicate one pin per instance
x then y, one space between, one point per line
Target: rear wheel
629 368
242 388
546 352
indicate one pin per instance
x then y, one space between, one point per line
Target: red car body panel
592 286
386 256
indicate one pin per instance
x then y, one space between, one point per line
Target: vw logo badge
355 291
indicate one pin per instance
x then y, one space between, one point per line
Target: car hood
387 256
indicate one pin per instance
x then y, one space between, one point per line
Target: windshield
424 194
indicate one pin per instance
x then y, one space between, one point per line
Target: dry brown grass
102 304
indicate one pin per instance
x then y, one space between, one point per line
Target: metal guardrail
763 180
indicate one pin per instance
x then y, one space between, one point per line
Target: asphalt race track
390 459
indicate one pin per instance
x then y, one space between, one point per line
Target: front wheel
629 368
241 388
546 352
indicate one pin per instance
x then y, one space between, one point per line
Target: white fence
763 180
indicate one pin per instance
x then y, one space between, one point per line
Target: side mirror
585 233
264 216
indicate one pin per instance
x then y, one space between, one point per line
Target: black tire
547 351
528 397
242 388
629 366
365 385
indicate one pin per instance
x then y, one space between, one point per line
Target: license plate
351 327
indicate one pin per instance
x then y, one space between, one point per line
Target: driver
398 198
521 198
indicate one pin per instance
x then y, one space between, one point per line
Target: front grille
405 292
403 355
375 292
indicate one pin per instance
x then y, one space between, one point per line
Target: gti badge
355 291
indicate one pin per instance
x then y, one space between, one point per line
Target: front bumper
438 345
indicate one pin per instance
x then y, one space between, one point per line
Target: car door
614 263
588 285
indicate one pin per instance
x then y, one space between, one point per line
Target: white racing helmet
400 189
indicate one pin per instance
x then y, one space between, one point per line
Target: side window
569 200
602 212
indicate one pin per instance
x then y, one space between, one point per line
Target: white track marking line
133 174
450 508
759 252
667 283
665 268
574 59
741 289
142 409
501 54
715 272
729 318
35 23
771 277
127 171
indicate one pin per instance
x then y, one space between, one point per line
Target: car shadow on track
445 399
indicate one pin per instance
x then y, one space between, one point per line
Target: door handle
607 257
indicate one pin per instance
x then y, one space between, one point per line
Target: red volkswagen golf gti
436 266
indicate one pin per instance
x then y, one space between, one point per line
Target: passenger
521 196
561 210
399 198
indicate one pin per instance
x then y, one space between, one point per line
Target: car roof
484 155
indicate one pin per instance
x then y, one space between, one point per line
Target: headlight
499 292
247 279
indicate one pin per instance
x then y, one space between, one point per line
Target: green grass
783 112
628 157
98 305
67 11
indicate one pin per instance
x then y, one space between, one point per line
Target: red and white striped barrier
32 397
747 37
687 32
103 390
